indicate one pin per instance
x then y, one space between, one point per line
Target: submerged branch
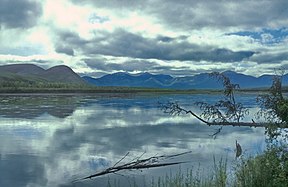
151 162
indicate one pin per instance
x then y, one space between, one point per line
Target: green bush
269 169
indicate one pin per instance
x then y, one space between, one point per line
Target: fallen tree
229 112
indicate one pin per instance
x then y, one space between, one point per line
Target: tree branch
175 109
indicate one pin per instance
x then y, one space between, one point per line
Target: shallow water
51 140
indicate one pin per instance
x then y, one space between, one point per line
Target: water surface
51 140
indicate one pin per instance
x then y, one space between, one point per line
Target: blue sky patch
266 36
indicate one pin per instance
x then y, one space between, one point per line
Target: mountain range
64 74
33 73
199 81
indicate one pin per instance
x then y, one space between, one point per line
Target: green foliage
267 169
227 109
282 110
271 167
274 107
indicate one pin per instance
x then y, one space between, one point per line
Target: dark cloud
270 58
223 55
66 50
19 13
131 65
121 43
103 66
185 14
165 39
66 39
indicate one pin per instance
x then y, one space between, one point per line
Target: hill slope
32 73
62 74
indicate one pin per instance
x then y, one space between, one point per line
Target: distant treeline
31 86
60 87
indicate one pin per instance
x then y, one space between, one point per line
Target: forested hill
32 74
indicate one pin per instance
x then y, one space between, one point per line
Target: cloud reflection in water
48 149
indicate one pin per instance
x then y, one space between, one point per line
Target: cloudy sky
184 37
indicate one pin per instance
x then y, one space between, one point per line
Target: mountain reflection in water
51 140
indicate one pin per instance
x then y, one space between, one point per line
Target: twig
121 159
174 109
214 135
137 158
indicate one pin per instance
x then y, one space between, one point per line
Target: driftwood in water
151 162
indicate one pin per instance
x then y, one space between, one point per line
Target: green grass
269 169
195 178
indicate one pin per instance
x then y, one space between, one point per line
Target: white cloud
187 24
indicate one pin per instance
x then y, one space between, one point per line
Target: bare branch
151 162
121 159
174 109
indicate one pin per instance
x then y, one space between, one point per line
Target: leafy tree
227 111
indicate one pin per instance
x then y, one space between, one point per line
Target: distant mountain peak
60 68
230 71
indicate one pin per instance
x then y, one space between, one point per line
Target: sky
179 38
